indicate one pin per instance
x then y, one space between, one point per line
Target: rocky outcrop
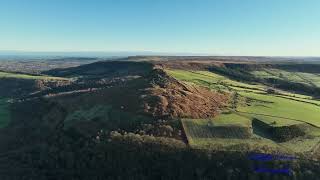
168 97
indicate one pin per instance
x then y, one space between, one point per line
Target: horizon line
142 53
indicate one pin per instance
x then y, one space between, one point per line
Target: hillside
98 113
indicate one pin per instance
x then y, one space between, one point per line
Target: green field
252 101
276 121
212 80
305 100
26 76
264 104
4 113
225 119
208 128
231 119
247 145
300 77
200 136
282 105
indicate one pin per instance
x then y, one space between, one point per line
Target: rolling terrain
253 102
195 110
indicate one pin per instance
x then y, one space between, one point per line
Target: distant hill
229 58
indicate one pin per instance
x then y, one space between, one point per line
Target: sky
209 27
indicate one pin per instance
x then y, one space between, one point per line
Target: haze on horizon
209 27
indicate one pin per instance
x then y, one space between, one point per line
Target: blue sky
218 27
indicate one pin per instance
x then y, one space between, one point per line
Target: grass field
277 110
4 112
300 77
281 107
231 119
286 105
276 121
26 76
299 98
231 125
247 145
212 80
201 136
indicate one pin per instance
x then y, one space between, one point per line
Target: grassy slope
26 76
292 108
285 104
200 131
231 119
301 99
199 136
4 113
300 77
211 80
282 107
